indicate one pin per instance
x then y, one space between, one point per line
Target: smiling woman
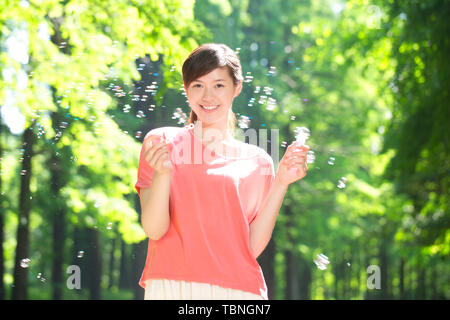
212 78
208 220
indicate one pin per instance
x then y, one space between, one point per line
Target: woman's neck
212 135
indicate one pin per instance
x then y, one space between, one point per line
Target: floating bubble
24 263
140 114
272 70
126 108
321 261
180 115
268 90
80 254
138 134
341 183
243 122
23 172
271 104
248 77
109 226
292 117
301 135
310 156
262 99
331 161
39 276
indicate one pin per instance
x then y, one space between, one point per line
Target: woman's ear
238 89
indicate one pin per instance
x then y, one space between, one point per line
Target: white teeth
209 107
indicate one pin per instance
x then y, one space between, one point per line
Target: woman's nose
207 93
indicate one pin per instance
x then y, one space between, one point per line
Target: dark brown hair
205 59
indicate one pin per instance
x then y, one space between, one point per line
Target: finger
296 163
297 151
296 159
154 149
300 162
162 159
153 156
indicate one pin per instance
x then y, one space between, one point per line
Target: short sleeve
145 171
266 174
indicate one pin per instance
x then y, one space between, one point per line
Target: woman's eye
220 85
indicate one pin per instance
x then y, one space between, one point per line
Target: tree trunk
292 281
384 292
94 265
111 264
20 289
124 276
434 294
402 279
58 214
138 257
267 259
305 279
2 222
421 288
78 257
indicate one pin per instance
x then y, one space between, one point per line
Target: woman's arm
155 217
262 226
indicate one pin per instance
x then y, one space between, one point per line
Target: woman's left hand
295 159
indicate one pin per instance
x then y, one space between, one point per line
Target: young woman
209 202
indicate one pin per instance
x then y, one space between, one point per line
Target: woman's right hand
158 155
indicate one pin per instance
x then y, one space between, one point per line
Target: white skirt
165 289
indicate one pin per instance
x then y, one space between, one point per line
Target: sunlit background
365 82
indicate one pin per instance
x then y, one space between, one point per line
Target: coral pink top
211 204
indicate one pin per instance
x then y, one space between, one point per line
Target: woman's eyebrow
214 80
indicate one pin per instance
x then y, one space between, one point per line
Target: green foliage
368 81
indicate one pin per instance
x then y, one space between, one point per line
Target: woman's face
215 90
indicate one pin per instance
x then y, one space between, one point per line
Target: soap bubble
301 134
310 156
80 254
24 263
341 183
321 261
243 122
180 115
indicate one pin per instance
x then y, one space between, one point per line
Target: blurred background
82 82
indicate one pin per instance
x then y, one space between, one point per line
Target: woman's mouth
209 108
